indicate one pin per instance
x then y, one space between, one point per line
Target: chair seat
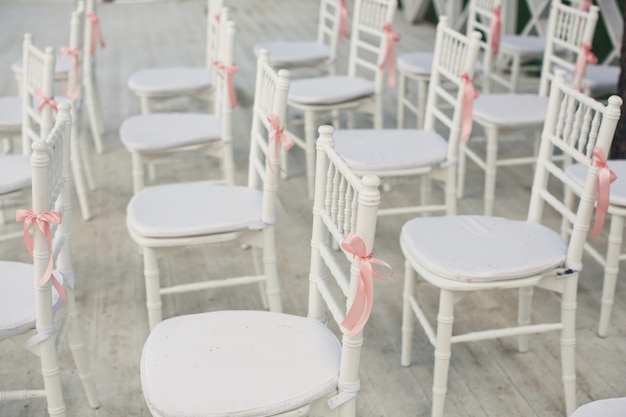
602 77
172 80
61 65
238 364
482 248
329 90
611 407
578 172
418 63
17 298
379 150
288 53
194 209
511 110
528 45
162 131
11 113
15 173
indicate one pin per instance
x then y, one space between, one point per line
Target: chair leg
568 342
85 157
272 287
460 186
138 174
422 94
408 319
309 150
445 319
515 72
611 269
450 191
525 298
52 378
145 104
490 173
401 97
78 173
77 346
228 163
426 190
153 287
92 111
97 102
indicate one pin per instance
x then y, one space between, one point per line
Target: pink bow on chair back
605 178
585 5
361 307
585 57
228 71
278 136
343 19
389 59
496 29
45 101
42 220
96 32
467 105
73 54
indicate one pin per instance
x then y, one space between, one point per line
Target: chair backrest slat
329 21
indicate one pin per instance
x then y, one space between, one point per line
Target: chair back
455 55
581 129
225 57
570 31
369 42
92 37
51 193
37 92
330 24
345 205
75 51
268 121
214 17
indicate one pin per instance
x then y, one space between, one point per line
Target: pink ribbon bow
343 19
217 17
586 4
496 29
96 32
42 220
390 56
361 307
278 135
43 101
585 57
73 53
228 71
467 105
605 178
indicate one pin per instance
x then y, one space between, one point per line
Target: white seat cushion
419 63
17 298
481 248
294 52
578 172
379 150
164 81
194 209
11 113
529 45
161 131
237 364
15 173
603 77
511 110
329 90
611 407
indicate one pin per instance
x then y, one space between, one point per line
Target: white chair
321 53
361 90
511 115
28 301
162 218
154 136
463 254
256 363
34 107
424 153
154 85
611 407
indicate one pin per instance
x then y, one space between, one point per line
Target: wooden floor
486 379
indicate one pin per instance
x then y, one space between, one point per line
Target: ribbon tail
604 183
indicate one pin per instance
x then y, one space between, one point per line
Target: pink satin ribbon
228 71
467 105
278 135
343 19
390 56
586 4
42 220
217 17
96 32
74 54
605 178
361 307
496 29
43 101
585 57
